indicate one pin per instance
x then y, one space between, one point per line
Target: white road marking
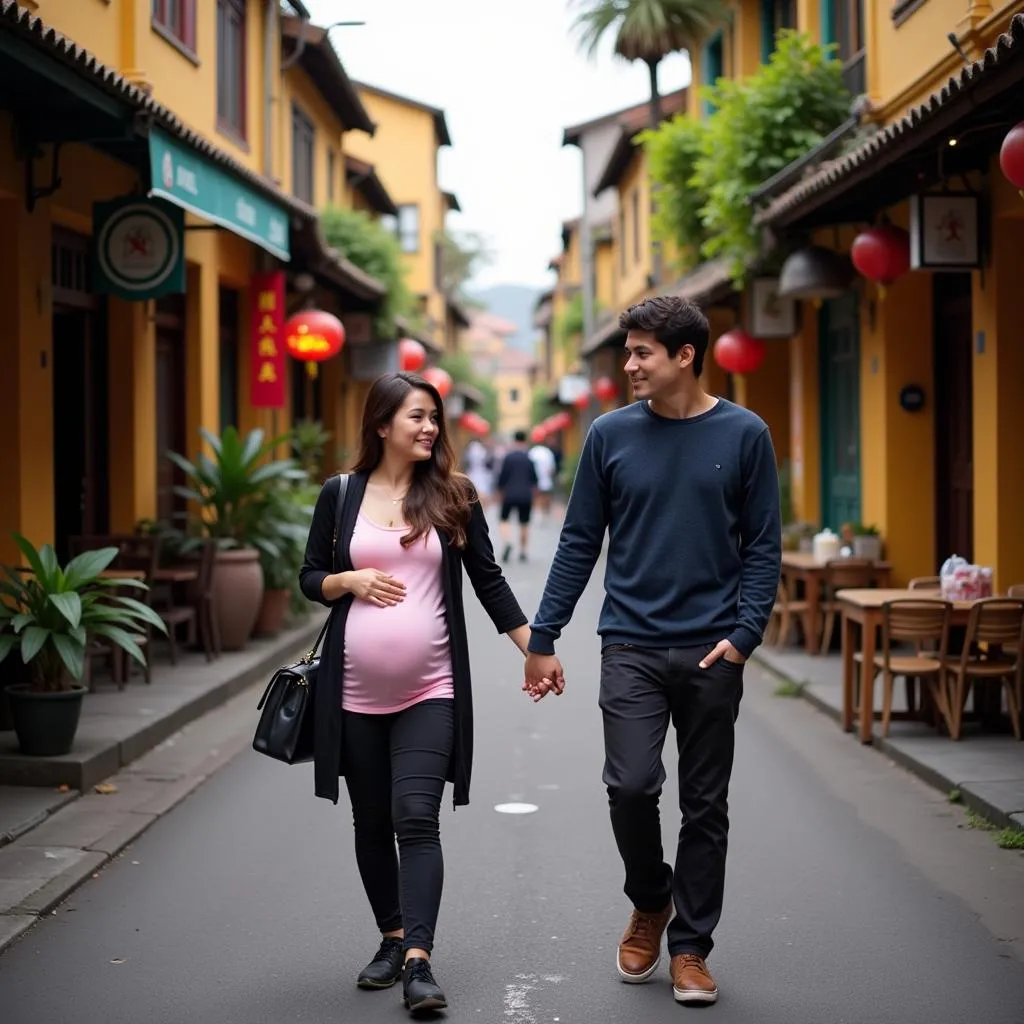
515 808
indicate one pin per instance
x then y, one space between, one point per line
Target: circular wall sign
138 247
912 398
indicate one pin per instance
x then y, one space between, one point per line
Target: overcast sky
510 78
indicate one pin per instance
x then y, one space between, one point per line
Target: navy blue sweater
695 538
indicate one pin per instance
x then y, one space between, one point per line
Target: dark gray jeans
642 689
395 767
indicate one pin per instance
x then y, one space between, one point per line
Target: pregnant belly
394 646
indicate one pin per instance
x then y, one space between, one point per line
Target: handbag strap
338 508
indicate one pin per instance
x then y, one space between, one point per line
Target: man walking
517 481
687 486
543 459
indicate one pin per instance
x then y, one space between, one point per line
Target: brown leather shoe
691 980
640 949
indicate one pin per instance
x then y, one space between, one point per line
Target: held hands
723 649
374 587
543 673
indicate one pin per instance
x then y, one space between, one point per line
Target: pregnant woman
394 711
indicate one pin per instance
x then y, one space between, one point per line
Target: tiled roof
440 122
363 176
888 143
35 32
635 116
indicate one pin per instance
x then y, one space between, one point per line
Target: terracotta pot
272 612
237 595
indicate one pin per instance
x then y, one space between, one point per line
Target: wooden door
954 416
170 407
839 354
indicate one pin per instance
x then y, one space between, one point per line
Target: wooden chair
925 583
997 622
841 574
785 614
919 622
209 632
141 552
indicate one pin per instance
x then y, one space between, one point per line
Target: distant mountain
512 302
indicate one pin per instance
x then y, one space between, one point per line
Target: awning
183 177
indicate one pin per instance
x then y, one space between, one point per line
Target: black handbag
286 727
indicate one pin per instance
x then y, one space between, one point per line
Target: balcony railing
855 75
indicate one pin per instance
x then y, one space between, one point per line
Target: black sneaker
420 990
507 553
522 556
386 966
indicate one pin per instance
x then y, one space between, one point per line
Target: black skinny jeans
395 767
642 689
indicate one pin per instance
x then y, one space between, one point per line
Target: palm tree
649 30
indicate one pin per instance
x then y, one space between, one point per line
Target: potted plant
229 491
867 542
50 615
281 539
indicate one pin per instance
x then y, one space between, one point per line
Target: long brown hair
439 496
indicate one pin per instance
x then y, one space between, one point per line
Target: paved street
852 896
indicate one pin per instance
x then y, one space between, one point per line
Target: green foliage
759 126
647 30
51 614
1010 838
309 439
541 406
459 366
285 512
673 152
230 490
568 326
375 250
462 254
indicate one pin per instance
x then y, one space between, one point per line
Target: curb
18 918
935 779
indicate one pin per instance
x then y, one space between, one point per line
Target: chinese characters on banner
266 363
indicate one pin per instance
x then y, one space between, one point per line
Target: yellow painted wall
805 418
404 152
513 414
299 90
632 284
998 373
604 267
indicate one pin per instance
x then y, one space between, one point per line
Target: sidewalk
987 770
150 746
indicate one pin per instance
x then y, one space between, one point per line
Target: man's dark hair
519 436
674 322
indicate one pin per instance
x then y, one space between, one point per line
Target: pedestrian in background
478 464
393 699
543 459
517 484
687 486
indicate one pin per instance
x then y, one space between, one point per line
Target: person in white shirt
543 459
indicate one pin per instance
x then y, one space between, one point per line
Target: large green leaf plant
50 614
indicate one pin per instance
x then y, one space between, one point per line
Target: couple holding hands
686 486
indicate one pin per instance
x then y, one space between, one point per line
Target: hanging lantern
582 401
561 421
538 433
440 379
606 389
474 423
738 352
313 336
882 253
814 273
1011 156
412 356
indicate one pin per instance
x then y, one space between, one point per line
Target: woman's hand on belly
370 585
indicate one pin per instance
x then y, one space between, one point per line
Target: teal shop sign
138 249
184 177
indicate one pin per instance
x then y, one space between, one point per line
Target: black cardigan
488 582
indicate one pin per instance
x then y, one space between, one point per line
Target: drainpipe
269 63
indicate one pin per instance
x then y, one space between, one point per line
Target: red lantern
474 423
412 356
738 352
440 379
582 401
1011 155
881 254
560 421
313 336
606 389
538 434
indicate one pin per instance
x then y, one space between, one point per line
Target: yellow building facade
105 384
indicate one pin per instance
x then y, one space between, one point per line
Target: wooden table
863 607
800 567
175 574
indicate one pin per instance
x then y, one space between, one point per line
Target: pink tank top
396 657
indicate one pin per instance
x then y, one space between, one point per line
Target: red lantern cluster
1011 155
412 356
582 401
881 253
606 389
538 434
738 352
475 424
313 336
440 379
552 425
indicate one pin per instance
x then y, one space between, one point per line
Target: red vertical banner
266 363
